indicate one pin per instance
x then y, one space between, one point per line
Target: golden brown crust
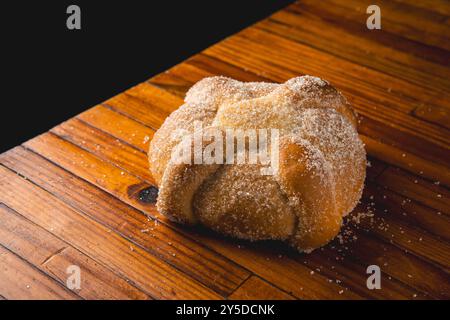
321 170
181 180
239 201
307 180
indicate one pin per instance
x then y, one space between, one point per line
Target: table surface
72 196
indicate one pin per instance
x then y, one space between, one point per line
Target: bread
321 161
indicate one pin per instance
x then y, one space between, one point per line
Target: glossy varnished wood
73 195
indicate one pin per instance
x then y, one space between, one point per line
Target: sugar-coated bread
321 171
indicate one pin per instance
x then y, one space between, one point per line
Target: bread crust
322 162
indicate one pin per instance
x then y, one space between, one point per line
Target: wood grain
106 175
256 289
72 196
156 277
398 20
118 150
289 59
304 27
20 280
104 155
97 282
163 242
124 128
53 256
354 22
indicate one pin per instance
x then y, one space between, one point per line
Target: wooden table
72 196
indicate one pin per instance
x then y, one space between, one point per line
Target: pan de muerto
320 160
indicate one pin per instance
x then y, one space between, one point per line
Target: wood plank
363 246
340 259
392 136
317 32
19 280
124 128
430 194
255 288
114 150
156 277
203 63
407 161
396 230
440 6
407 210
181 77
435 114
53 256
97 282
193 258
401 265
282 267
401 19
25 239
296 58
145 103
353 18
303 275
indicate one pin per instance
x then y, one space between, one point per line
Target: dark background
50 73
